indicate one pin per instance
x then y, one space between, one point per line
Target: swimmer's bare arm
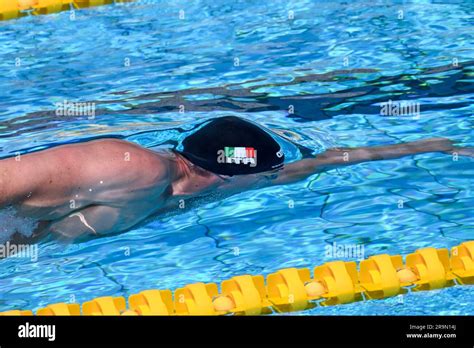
337 157
89 221
93 221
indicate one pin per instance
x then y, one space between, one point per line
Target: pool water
313 71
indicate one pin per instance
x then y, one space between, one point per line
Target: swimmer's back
94 170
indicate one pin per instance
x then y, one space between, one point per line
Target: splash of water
10 223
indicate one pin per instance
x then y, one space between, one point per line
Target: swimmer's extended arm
337 157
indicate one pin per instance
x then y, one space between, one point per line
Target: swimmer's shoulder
112 162
130 159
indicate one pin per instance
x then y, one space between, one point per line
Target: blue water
138 62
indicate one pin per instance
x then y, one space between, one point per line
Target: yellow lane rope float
10 9
292 289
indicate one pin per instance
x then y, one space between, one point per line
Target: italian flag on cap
239 152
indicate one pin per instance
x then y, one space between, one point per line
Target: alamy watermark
400 108
19 251
348 251
238 155
68 108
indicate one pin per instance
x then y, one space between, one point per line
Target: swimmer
106 186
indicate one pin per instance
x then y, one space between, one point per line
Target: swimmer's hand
442 145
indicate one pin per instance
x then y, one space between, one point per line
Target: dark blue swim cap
232 146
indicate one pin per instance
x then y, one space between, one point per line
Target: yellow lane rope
292 289
10 9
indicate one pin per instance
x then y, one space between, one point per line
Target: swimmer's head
233 146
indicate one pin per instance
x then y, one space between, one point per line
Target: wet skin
109 185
